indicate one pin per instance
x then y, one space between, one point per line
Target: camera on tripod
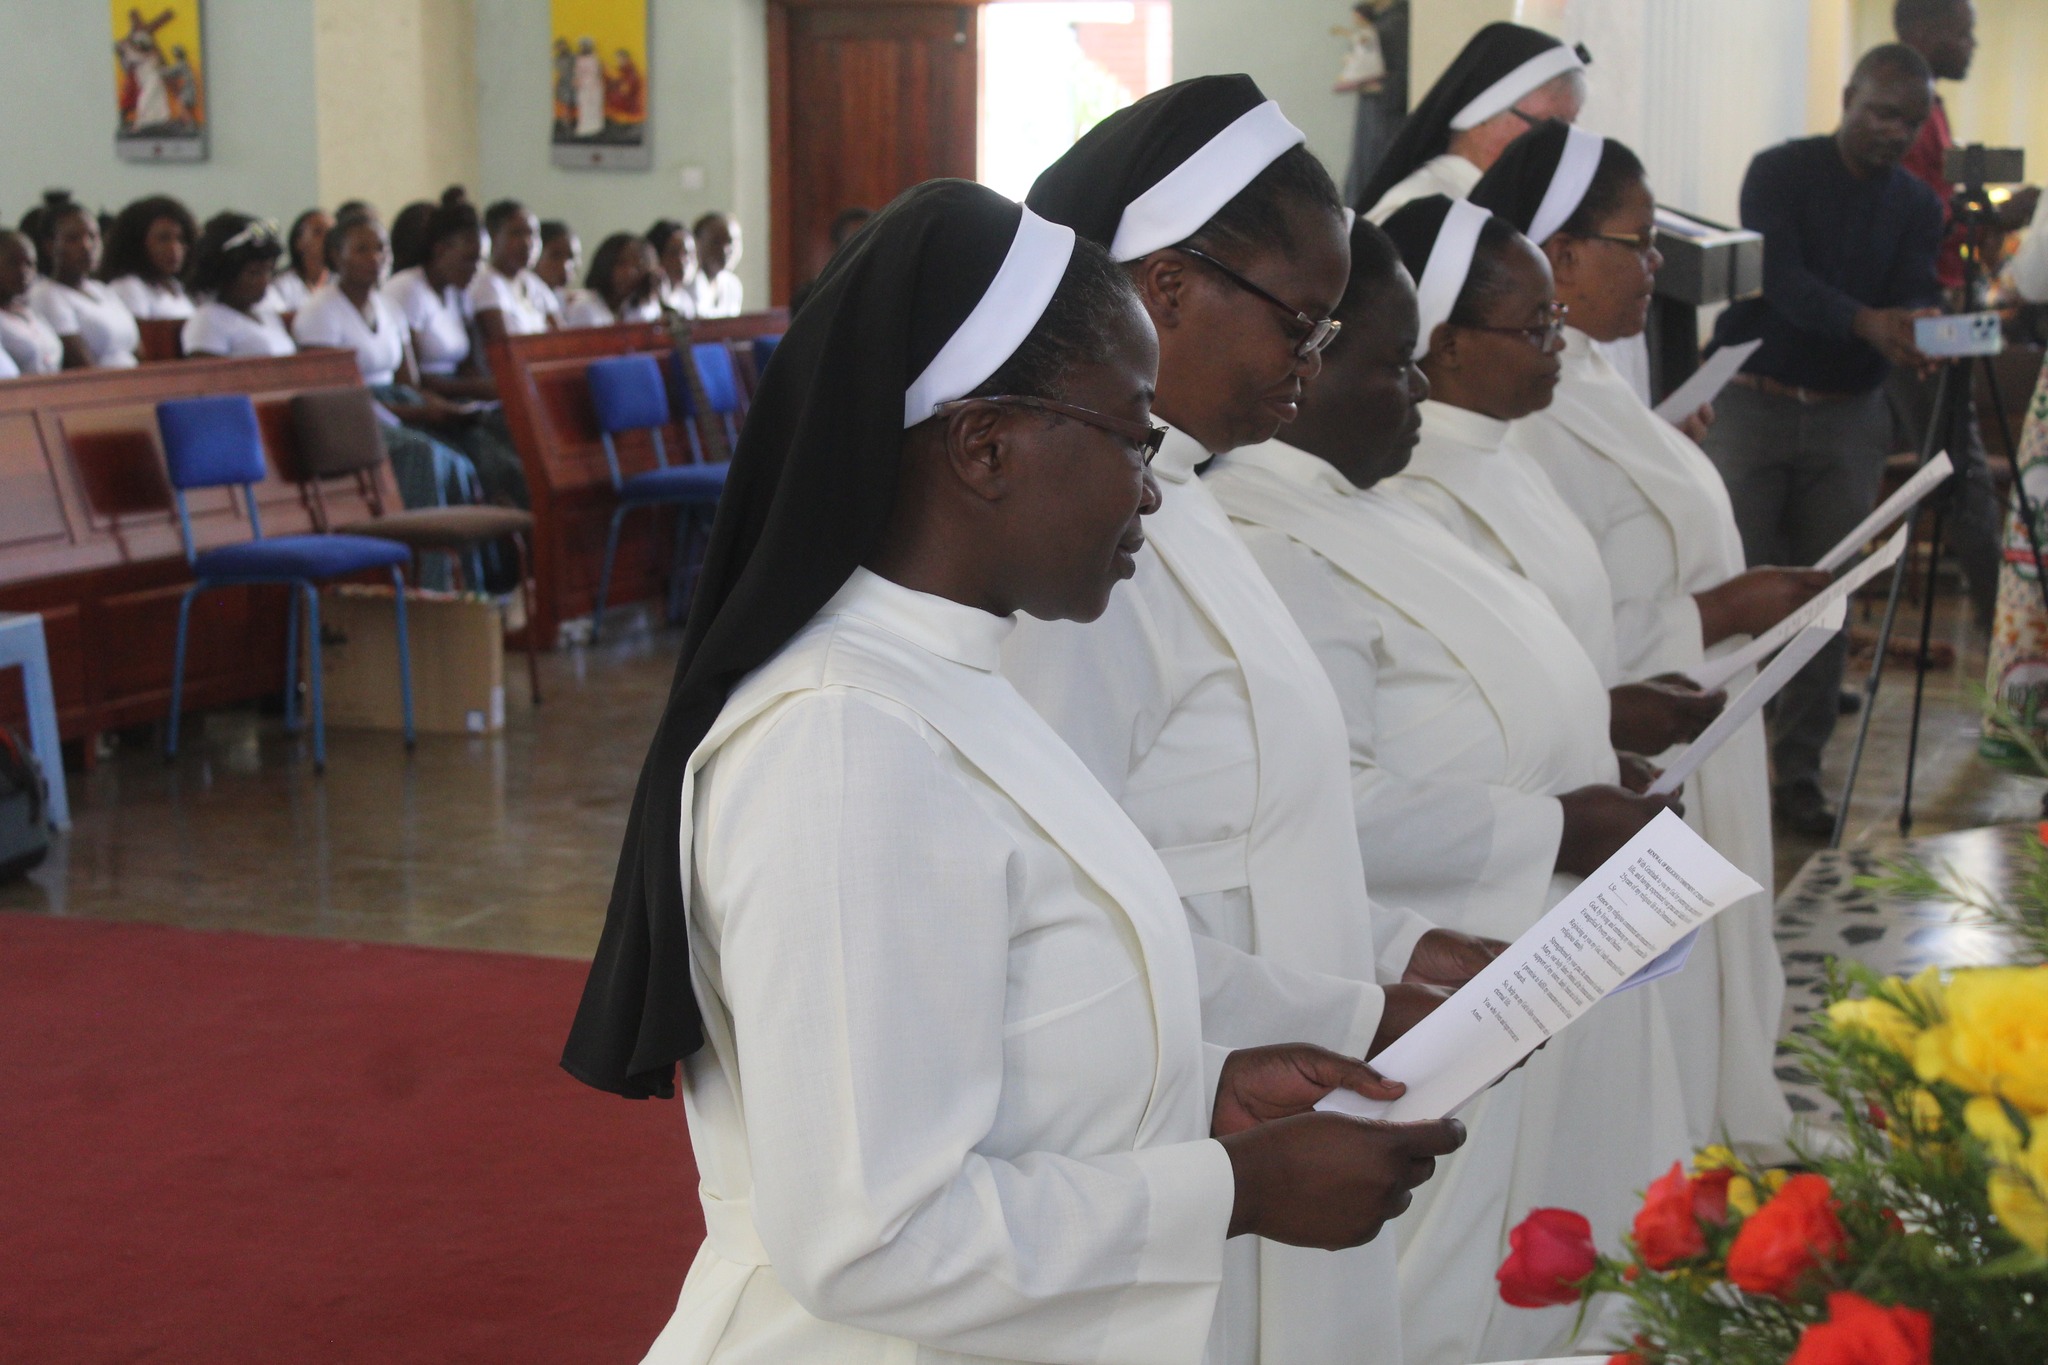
1973 170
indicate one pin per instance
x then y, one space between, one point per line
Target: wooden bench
547 407
88 540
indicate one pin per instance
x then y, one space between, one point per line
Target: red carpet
226 1148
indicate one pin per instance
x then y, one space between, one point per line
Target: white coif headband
1450 265
1189 194
1011 306
1500 97
1568 184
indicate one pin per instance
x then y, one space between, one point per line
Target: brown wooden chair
339 437
162 339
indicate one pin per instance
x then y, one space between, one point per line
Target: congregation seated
231 273
717 289
29 343
561 256
304 268
95 326
148 255
623 285
675 254
506 297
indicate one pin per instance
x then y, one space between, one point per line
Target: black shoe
1849 703
1804 811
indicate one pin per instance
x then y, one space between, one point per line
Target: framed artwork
159 81
597 79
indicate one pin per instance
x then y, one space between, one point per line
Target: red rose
1550 1252
1666 1229
1710 1196
1787 1238
1859 1332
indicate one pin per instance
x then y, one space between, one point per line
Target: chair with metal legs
629 394
215 443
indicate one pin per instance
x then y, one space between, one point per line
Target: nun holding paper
1660 515
933 995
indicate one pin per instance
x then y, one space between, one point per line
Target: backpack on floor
24 808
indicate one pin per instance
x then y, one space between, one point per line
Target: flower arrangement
1918 1235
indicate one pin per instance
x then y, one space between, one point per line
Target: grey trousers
1800 476
1975 522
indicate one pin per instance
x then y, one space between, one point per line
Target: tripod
1947 423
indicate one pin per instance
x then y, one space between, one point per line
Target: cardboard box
458 661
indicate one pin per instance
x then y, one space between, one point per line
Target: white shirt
718 296
90 312
217 329
587 308
8 369
680 299
375 333
30 342
1660 514
151 302
525 301
438 319
927 1136
1201 709
1449 174
1469 705
1469 474
288 293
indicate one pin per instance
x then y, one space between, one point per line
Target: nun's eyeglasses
1311 335
1141 436
1544 338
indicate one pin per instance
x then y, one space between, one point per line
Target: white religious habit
1201 709
1468 708
1450 175
954 1100
1661 517
1469 474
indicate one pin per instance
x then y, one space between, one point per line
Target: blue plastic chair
213 443
629 393
721 385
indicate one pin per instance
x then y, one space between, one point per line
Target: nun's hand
1698 424
1331 1181
1638 774
1408 1004
1262 1084
1751 603
1445 957
1599 820
1650 717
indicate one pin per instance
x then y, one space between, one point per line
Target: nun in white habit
1660 515
1492 332
1504 79
1195 700
1485 787
935 1000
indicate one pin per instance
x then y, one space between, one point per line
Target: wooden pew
162 339
88 538
547 407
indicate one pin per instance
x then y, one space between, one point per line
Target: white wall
1284 45
708 113
57 125
396 94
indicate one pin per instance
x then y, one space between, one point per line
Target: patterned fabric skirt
2019 636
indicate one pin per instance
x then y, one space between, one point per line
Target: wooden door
865 100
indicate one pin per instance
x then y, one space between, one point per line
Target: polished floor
508 842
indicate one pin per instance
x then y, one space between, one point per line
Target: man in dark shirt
1804 431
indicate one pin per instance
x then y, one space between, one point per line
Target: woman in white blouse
350 313
231 271
305 269
716 285
622 285
675 251
935 1000
97 328
30 344
432 299
506 297
148 252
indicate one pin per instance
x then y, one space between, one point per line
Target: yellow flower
1742 1191
1987 1119
1881 1020
1994 1040
2018 1203
1716 1158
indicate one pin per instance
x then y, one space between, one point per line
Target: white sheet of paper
1669 961
1663 883
1923 482
1737 712
1715 672
1706 382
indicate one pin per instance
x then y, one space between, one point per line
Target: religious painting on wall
159 82
598 84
